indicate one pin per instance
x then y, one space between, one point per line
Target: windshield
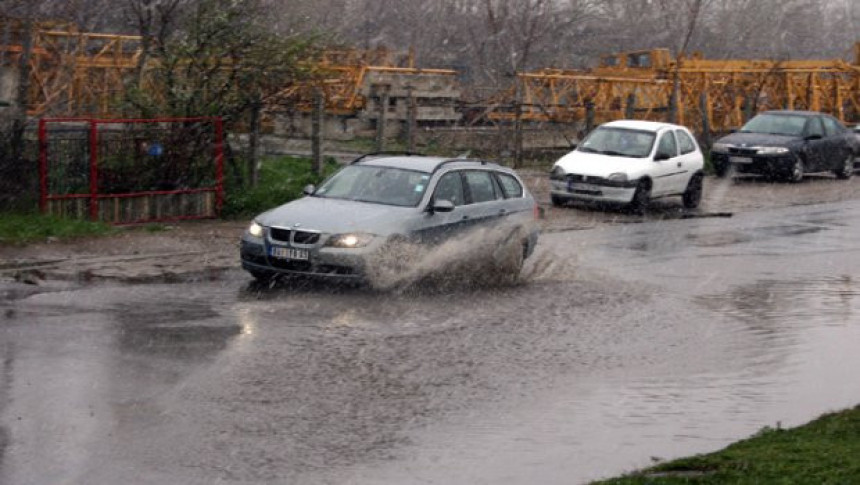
619 142
791 125
378 185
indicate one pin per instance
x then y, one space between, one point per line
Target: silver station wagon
346 226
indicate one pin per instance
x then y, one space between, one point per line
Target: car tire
641 198
846 171
263 276
692 196
557 200
795 174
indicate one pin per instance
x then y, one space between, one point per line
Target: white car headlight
617 177
351 240
720 147
557 173
772 150
255 229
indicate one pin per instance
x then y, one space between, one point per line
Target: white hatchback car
631 162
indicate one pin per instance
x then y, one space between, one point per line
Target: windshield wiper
588 150
612 153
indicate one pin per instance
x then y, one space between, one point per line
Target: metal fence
133 170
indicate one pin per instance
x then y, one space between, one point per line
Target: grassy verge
280 180
22 228
826 450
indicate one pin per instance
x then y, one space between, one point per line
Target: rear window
510 186
686 143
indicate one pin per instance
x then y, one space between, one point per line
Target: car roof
791 112
422 163
641 125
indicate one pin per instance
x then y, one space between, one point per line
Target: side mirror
309 189
441 206
660 156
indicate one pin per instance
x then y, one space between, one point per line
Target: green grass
825 451
280 180
21 228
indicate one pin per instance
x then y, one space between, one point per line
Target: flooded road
625 344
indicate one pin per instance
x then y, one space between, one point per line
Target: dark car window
481 186
510 186
832 127
685 142
450 187
814 128
668 145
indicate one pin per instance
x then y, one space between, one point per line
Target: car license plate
740 159
580 187
288 253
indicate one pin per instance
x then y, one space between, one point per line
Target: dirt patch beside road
202 249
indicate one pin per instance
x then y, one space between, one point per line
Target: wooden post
317 132
382 117
253 142
630 106
589 116
411 120
518 123
705 107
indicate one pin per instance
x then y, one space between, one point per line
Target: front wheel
262 276
641 198
795 175
846 170
692 197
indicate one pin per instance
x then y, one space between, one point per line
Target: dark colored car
786 145
345 227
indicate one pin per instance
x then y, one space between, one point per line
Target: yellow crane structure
715 95
71 73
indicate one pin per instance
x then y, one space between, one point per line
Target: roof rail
375 154
457 160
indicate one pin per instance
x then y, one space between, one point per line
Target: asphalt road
627 340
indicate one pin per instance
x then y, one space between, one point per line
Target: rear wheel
641 198
692 197
846 171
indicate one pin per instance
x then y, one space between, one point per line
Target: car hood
758 139
337 216
598 165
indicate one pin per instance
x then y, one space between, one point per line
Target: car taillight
537 212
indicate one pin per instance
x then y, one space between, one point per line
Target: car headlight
617 177
720 147
772 150
255 229
557 173
351 240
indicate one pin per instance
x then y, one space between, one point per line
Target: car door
437 226
838 144
666 174
690 157
816 145
482 194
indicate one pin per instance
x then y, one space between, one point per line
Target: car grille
743 151
299 237
279 234
305 237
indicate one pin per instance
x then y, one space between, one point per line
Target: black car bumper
753 164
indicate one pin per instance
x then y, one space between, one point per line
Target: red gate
131 170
